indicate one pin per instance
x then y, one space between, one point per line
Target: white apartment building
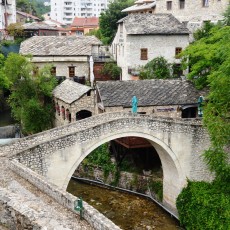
65 11
7 13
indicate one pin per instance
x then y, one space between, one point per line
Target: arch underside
173 179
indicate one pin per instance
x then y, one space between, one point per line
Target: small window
169 5
178 50
144 54
71 71
205 3
89 93
53 71
181 4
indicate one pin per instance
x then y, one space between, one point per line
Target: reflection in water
130 212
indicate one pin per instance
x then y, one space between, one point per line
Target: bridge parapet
52 134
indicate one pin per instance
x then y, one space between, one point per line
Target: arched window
57 109
63 112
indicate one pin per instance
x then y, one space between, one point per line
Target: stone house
38 29
68 55
22 17
192 13
73 101
142 37
173 98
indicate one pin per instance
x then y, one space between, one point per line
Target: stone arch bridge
56 153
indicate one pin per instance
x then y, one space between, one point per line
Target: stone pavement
31 203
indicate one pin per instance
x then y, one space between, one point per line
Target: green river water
128 211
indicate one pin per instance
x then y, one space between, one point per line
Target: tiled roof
70 91
153 24
149 92
37 26
59 45
85 22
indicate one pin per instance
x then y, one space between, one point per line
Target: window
53 71
169 5
181 4
205 3
71 71
178 51
144 54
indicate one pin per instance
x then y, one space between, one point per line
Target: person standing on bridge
134 104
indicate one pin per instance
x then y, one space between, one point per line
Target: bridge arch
55 154
173 175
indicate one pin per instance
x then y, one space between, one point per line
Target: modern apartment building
65 11
7 13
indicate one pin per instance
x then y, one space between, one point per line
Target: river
128 211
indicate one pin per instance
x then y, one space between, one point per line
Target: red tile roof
85 22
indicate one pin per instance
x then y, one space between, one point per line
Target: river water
128 211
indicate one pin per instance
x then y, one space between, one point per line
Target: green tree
203 205
31 94
108 19
4 81
157 68
96 33
111 69
202 56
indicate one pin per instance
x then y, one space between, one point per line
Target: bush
203 205
158 68
111 69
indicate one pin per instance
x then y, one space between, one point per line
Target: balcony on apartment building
68 9
68 3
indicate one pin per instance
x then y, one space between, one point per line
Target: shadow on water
130 212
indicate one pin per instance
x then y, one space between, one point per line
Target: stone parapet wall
13 215
91 215
61 132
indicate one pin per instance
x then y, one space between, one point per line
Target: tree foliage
34 7
31 94
15 29
203 205
157 68
111 69
108 19
203 55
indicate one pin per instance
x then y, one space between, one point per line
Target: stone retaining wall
91 215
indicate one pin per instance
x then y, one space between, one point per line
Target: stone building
193 13
73 101
22 17
142 37
68 55
158 97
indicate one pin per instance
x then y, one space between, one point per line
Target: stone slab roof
138 7
59 45
28 15
153 24
37 26
155 92
70 91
